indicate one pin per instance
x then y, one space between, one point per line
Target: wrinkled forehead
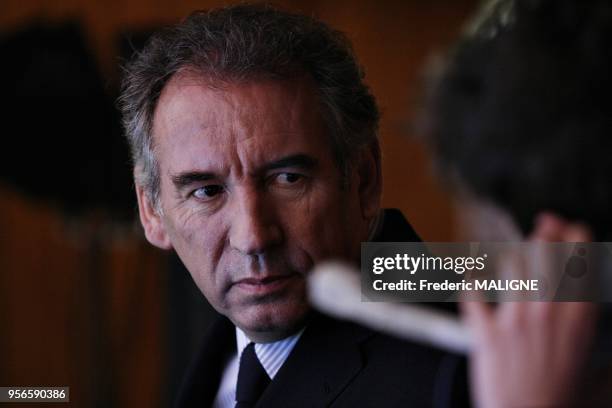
251 121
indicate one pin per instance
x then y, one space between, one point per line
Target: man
520 120
255 157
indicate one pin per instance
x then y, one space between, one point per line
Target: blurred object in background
81 291
520 124
66 144
79 306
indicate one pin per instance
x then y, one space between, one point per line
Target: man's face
251 197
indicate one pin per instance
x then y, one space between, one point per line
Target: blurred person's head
521 117
255 156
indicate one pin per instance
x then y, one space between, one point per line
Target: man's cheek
318 242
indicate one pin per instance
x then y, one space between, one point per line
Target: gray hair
248 42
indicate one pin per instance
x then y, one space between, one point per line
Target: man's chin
267 322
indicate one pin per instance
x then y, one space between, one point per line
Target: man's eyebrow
297 160
302 161
184 179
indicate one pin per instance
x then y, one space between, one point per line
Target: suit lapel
323 363
201 383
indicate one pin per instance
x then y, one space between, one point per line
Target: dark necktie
252 379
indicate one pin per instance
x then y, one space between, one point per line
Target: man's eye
288 178
208 192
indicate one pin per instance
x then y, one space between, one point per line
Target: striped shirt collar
271 355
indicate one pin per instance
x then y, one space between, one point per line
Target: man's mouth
264 285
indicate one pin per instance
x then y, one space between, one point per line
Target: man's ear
370 180
552 227
151 221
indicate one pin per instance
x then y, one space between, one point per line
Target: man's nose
254 225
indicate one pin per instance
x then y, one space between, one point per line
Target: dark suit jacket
339 364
